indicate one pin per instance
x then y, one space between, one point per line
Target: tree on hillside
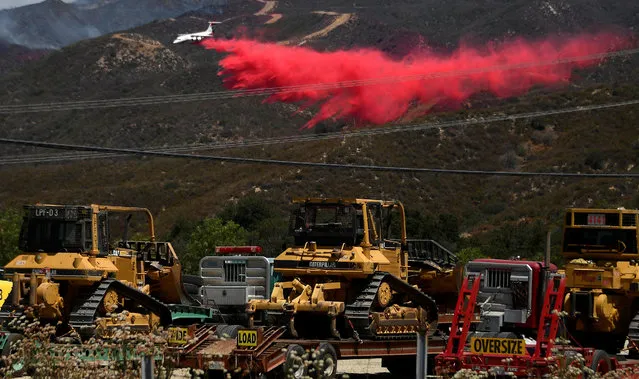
248 212
210 233
443 228
10 221
272 234
524 239
266 226
468 254
180 234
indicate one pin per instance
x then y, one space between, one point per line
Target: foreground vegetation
40 354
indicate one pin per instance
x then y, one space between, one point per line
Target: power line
40 158
219 95
278 162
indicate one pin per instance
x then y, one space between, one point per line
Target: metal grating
629 219
497 278
235 272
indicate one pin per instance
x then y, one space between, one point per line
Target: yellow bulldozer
70 273
602 277
350 263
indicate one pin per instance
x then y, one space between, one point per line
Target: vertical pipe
420 370
17 289
147 367
425 355
33 286
547 260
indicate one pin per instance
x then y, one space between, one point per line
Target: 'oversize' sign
500 346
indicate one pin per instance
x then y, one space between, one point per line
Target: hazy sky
18 3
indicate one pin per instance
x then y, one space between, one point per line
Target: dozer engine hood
297 261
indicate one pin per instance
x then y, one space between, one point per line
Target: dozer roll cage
609 234
93 213
367 231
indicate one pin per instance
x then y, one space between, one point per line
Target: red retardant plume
257 65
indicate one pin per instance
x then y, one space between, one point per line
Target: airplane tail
211 23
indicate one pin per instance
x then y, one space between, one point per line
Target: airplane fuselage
196 37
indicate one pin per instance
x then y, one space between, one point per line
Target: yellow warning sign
247 338
5 290
501 346
178 336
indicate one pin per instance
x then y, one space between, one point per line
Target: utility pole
147 367
422 352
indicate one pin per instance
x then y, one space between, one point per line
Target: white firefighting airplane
208 33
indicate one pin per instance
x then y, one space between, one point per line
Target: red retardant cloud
257 65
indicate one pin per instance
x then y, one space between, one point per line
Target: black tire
570 357
507 335
8 349
294 366
227 331
11 338
196 280
600 362
325 362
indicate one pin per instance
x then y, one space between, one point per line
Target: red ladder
549 322
464 313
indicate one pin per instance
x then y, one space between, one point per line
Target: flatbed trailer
219 356
529 367
502 354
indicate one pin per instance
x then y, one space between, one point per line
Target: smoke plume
452 79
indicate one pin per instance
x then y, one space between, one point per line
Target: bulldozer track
5 311
359 310
85 312
633 335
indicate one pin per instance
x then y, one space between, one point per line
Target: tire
227 331
294 366
570 357
11 338
507 335
17 368
195 280
600 362
325 362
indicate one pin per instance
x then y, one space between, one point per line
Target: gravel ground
361 366
354 368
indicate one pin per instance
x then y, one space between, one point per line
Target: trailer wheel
325 362
227 331
570 358
294 366
600 362
17 367
8 344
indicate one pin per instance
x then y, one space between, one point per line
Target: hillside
15 56
143 62
52 24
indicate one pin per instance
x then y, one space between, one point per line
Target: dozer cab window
328 224
51 235
623 241
392 226
103 233
374 223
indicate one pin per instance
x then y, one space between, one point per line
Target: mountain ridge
143 62
53 24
